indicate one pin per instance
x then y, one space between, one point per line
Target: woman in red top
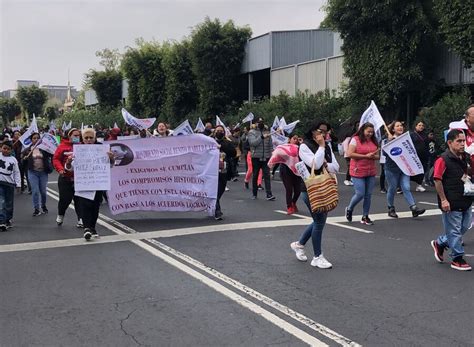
364 152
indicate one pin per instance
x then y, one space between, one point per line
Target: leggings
292 185
66 195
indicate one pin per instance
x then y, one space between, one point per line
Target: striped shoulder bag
322 191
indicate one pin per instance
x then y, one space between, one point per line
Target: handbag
322 191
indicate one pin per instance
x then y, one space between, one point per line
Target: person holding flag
39 167
396 178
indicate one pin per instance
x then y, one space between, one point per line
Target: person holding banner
452 169
364 152
227 153
315 151
61 158
161 130
39 167
396 178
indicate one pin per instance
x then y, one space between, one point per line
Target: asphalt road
181 279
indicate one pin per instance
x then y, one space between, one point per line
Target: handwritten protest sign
91 167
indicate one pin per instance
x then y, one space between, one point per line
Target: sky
42 39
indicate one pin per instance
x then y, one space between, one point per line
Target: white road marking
427 203
293 330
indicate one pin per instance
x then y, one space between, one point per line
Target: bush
449 108
91 117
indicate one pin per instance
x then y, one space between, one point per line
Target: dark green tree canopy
9 109
217 52
107 86
32 100
143 67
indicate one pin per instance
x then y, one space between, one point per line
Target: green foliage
109 58
107 85
386 46
457 27
9 109
217 52
51 112
92 117
181 91
449 108
308 108
143 67
32 100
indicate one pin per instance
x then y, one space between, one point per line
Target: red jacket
59 158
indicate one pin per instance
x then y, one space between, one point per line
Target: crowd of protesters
28 169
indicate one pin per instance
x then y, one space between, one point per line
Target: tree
107 86
32 100
180 90
456 27
217 53
9 109
110 58
143 68
386 46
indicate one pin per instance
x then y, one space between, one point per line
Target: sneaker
260 187
420 188
438 251
460 264
254 197
9 224
351 183
246 184
3 227
290 210
383 191
399 191
321 262
36 212
271 197
87 234
415 211
348 215
227 189
95 234
299 250
235 179
79 223
218 215
392 213
366 220
45 209
59 219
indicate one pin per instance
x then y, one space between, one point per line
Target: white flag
25 138
48 143
219 122
69 126
372 115
52 125
200 126
183 129
276 123
64 127
141 124
402 151
116 126
248 118
82 126
282 123
290 127
461 124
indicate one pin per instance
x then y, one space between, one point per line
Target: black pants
258 164
348 172
382 177
66 195
90 210
221 184
292 185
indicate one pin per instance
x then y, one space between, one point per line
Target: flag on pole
288 128
372 115
116 126
402 151
141 124
276 123
219 122
64 127
183 129
248 118
200 126
282 123
52 125
69 126
33 128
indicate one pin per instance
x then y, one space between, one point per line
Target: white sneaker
347 182
321 262
299 250
59 219
420 188
79 223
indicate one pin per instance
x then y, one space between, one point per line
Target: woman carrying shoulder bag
315 152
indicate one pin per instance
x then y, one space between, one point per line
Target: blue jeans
315 229
396 178
455 224
6 202
363 190
38 181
